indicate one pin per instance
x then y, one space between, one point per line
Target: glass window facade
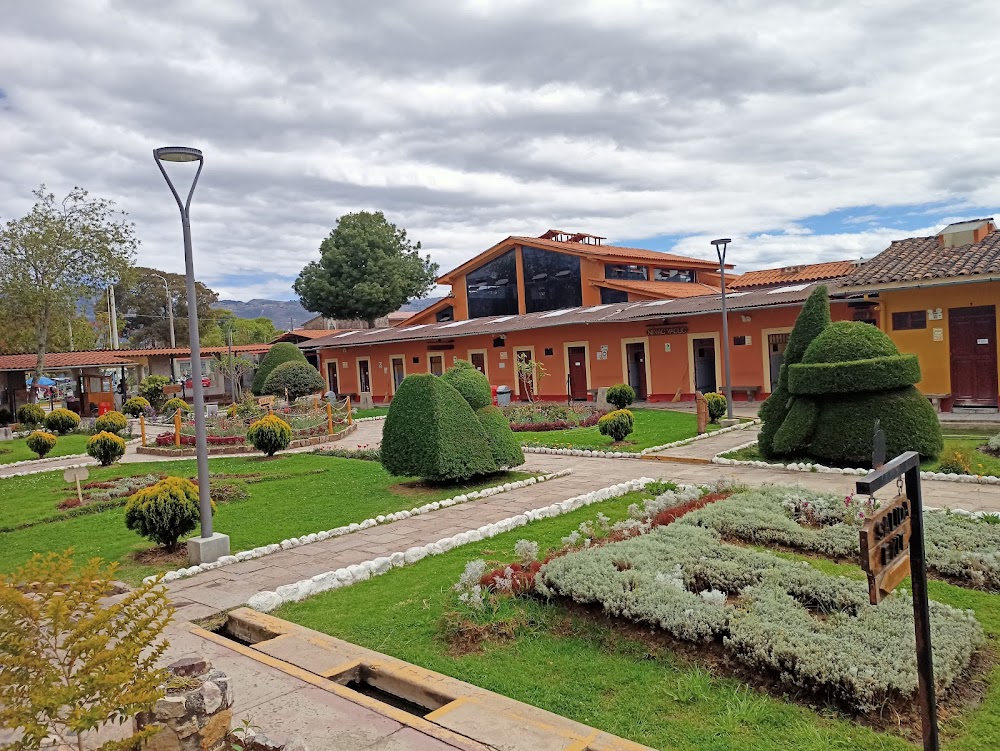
610 296
673 275
551 280
446 313
492 288
626 271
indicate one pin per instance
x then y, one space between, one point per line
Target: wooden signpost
76 474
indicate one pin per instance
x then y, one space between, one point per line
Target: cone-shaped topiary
812 319
470 383
111 422
504 446
432 432
621 395
269 434
106 447
135 406
295 379
279 353
30 414
164 512
41 443
617 424
62 421
172 405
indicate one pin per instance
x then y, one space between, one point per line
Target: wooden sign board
73 474
172 388
666 330
885 548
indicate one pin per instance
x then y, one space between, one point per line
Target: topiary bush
30 414
621 395
269 434
111 422
41 443
62 421
294 378
151 389
106 447
164 512
617 424
6 418
135 406
716 403
432 432
504 446
470 383
279 353
172 405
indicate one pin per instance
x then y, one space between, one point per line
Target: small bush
617 424
621 395
172 405
111 422
41 443
62 421
279 353
6 418
247 410
269 434
164 512
470 383
30 414
993 445
716 405
955 463
296 379
228 491
151 389
135 406
503 443
106 447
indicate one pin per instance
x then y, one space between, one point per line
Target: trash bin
493 393
503 396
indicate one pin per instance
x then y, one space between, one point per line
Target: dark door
525 379
478 360
398 373
972 333
365 376
635 356
437 364
704 365
578 373
331 374
776 344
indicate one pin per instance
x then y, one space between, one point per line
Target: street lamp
170 317
720 249
211 545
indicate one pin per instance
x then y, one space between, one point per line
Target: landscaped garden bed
653 427
67 445
541 417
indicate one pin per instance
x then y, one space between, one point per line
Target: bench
936 400
750 391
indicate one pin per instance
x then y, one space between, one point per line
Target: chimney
965 233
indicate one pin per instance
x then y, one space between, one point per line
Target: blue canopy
43 381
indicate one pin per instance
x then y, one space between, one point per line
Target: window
741 341
446 313
551 280
673 275
630 271
492 288
416 360
912 319
610 296
548 351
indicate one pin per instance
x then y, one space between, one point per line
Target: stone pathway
707 448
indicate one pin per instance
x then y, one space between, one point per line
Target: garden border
244 448
39 462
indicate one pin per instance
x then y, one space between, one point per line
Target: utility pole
71 334
170 317
113 315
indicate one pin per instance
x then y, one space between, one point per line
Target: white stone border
345 577
368 419
637 454
49 460
812 467
294 542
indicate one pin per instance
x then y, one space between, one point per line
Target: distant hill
280 311
415 306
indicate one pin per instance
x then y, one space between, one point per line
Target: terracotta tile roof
792 275
662 290
58 360
919 258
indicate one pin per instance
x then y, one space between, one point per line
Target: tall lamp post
720 249
170 317
211 545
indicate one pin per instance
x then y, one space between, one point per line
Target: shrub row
540 427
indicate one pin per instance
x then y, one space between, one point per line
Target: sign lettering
666 330
885 548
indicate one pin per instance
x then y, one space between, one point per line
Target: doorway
972 333
331 376
478 360
577 373
635 357
364 376
776 344
435 364
525 380
704 365
398 372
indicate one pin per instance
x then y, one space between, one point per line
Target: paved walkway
707 448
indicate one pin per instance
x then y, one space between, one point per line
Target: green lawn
595 673
18 451
376 412
299 494
653 427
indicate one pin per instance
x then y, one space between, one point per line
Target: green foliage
296 379
955 463
993 445
106 447
716 403
617 425
62 421
845 341
135 406
796 430
367 269
279 353
151 389
504 446
164 512
30 414
875 374
432 432
621 395
140 294
41 443
74 659
247 410
269 434
6 418
470 383
111 422
172 405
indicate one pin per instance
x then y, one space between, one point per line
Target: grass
376 412
653 427
18 451
297 494
592 672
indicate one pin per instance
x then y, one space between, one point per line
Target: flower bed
544 417
167 439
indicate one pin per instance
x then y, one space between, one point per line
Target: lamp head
723 242
177 154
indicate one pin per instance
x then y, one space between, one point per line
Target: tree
18 335
367 269
142 299
530 373
259 330
294 380
59 252
234 368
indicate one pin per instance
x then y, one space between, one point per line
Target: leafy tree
258 330
59 252
142 301
151 389
233 369
18 332
367 268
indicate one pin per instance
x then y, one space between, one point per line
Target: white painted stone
412 555
381 565
343 575
397 559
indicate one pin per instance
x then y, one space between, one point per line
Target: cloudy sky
804 131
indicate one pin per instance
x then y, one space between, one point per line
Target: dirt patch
419 487
159 556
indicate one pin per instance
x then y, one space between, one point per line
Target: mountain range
285 312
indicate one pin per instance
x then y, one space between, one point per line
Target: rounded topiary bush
621 395
164 512
111 422
30 414
295 379
716 403
617 424
172 405
504 446
269 434
106 447
62 421
470 383
432 432
279 353
41 443
135 406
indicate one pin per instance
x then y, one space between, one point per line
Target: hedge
795 433
621 395
30 414
432 432
62 421
111 422
875 374
470 383
844 341
504 446
279 353
294 378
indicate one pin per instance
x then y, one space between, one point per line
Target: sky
804 130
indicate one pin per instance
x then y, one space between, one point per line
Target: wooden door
635 357
577 373
972 333
478 360
526 381
364 376
398 373
436 363
704 365
331 374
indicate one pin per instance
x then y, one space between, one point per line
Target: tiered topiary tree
295 379
62 421
475 388
269 434
279 353
164 512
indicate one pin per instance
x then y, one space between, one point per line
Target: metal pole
170 318
720 248
232 378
